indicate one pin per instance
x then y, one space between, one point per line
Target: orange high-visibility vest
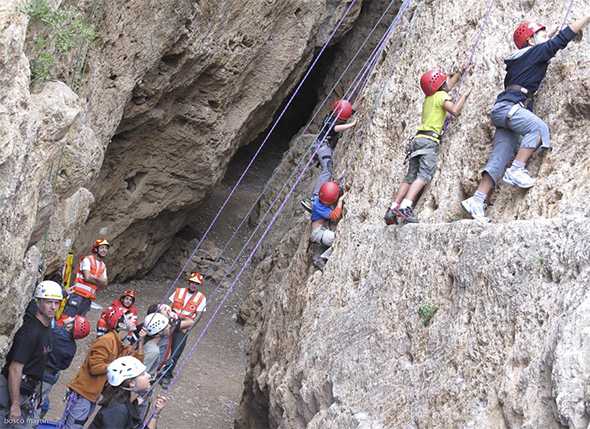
81 286
188 311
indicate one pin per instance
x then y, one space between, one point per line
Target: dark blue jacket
62 353
320 210
527 67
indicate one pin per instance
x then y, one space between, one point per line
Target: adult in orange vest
91 276
126 302
189 304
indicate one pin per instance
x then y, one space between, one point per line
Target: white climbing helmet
124 368
49 289
155 323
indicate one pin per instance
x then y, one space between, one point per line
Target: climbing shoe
306 204
518 177
476 209
390 217
319 262
406 215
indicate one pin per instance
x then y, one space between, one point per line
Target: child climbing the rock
519 132
326 208
424 147
333 124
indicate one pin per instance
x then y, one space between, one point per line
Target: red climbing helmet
130 293
81 327
525 31
431 81
343 109
329 193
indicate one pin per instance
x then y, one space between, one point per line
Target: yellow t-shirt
433 113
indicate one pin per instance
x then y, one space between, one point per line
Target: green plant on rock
63 30
427 312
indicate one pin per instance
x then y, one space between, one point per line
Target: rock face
446 323
167 93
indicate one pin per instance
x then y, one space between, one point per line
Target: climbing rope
260 240
316 113
356 81
255 156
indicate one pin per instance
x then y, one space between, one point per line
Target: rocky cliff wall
447 323
167 93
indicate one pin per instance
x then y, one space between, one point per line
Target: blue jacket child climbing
424 147
326 208
325 143
519 132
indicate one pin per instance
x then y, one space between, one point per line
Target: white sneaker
476 209
518 177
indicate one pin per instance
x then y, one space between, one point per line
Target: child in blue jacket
519 132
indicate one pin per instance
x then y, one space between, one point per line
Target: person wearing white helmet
123 406
158 328
20 380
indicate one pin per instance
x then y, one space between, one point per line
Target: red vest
81 286
188 310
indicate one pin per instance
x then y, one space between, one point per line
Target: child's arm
456 108
578 24
453 80
344 127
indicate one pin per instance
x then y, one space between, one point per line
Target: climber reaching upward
519 132
424 147
326 208
334 123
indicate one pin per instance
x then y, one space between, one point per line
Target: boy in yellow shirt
424 148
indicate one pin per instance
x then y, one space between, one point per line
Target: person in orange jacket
90 277
126 302
85 389
189 304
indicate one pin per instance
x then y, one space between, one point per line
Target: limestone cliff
167 93
446 323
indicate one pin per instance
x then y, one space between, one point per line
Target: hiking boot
165 382
476 209
518 177
319 262
306 204
406 215
390 217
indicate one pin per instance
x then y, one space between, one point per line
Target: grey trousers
78 410
523 129
324 154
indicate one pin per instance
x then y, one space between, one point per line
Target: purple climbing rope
234 283
318 109
254 157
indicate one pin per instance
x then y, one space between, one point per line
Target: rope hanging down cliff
270 225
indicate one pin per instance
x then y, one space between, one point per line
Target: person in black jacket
64 336
123 406
519 132
20 381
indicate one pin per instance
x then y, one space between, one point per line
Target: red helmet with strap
525 31
329 193
196 277
431 81
130 293
81 327
342 109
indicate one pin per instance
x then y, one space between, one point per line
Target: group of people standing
122 365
